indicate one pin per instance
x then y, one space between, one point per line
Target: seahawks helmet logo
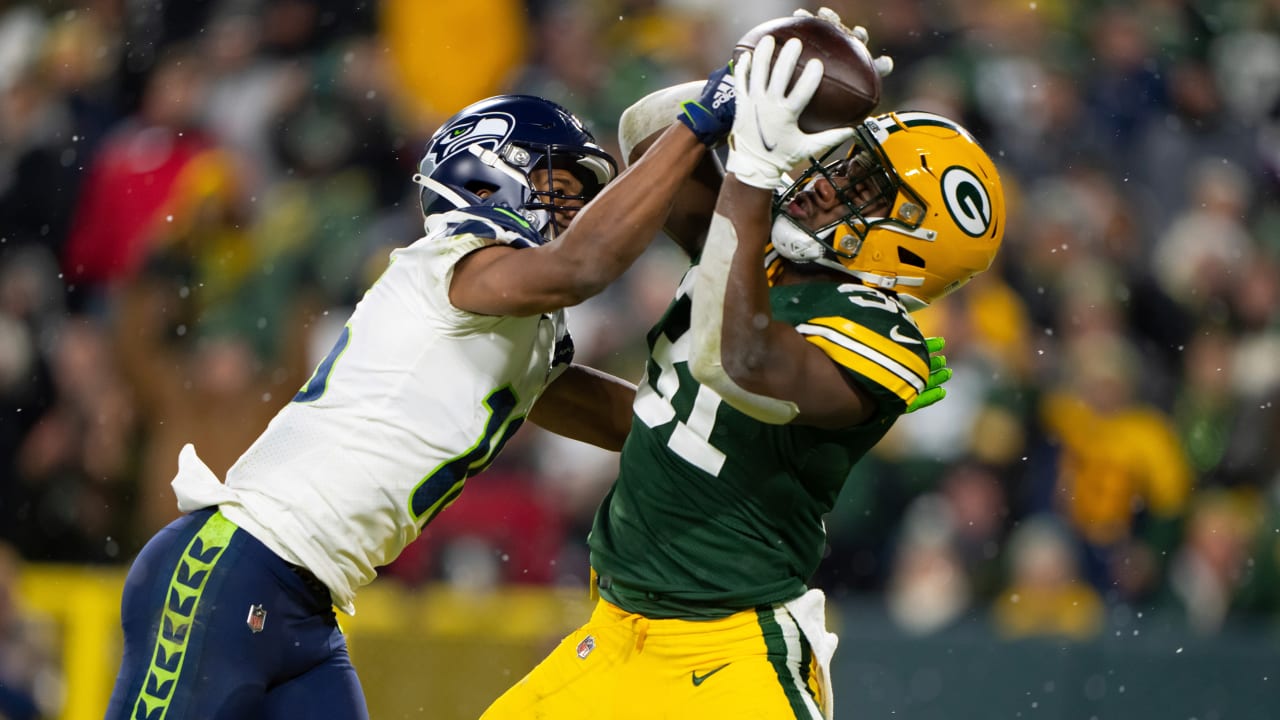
967 200
491 129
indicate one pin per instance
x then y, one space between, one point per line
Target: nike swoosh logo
699 680
768 146
897 336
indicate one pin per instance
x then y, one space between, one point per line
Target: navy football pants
192 601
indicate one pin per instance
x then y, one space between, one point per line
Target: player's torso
414 397
714 507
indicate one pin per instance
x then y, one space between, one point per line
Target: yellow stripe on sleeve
868 368
870 354
874 340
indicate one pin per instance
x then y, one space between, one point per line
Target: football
850 87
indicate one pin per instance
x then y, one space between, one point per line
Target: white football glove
883 63
766 141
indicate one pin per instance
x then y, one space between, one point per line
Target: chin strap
442 190
795 244
801 247
884 282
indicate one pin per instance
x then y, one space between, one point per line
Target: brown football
850 87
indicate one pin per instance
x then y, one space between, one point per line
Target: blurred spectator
335 146
76 463
209 385
208 333
1200 275
1258 597
30 310
1045 596
981 513
1123 90
910 31
30 676
53 114
23 392
988 334
128 182
1246 68
598 59
248 90
431 83
928 588
22 30
1206 407
1199 131
1122 479
1207 572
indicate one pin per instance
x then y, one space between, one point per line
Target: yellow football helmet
945 207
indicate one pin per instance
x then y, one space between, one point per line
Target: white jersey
415 396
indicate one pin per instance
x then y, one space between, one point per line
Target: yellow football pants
754 664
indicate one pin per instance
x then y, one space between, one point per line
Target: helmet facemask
867 186
592 171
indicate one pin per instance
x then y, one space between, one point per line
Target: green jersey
714 512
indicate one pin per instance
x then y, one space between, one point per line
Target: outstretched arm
603 240
586 405
640 126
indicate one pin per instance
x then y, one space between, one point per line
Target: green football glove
939 373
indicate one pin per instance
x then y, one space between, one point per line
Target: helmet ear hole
481 189
906 257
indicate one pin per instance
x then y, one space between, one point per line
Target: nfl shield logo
257 618
586 646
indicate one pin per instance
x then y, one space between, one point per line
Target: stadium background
193 193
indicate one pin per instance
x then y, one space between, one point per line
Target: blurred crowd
193 195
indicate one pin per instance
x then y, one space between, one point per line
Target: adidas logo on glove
724 92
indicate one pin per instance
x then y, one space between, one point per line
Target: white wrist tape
652 113
708 322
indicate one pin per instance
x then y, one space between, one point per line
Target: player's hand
883 63
710 117
939 373
766 140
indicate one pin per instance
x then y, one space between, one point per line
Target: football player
228 612
766 382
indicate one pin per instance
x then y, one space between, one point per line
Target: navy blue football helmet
494 144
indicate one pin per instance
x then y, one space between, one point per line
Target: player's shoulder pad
496 222
871 334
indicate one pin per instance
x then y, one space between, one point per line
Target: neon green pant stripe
181 600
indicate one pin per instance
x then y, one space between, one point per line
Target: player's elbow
717 376
722 374
704 365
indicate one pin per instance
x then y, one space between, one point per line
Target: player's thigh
158 629
748 665
211 619
752 685
581 678
329 691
